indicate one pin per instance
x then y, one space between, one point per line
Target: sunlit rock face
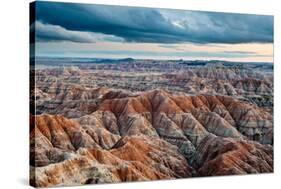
149 136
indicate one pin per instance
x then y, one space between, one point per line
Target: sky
103 31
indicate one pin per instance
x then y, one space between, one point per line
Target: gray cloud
153 25
47 32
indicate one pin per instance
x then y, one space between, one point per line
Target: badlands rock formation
247 82
136 120
98 135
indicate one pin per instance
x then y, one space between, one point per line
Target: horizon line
178 59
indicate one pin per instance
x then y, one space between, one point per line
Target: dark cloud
151 25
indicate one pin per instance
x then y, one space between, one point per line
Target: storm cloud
77 22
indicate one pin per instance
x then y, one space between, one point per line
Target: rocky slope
115 136
248 85
245 84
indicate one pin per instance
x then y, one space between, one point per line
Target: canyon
129 120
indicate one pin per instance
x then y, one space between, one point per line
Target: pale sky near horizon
79 30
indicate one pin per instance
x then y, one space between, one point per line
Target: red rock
149 136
